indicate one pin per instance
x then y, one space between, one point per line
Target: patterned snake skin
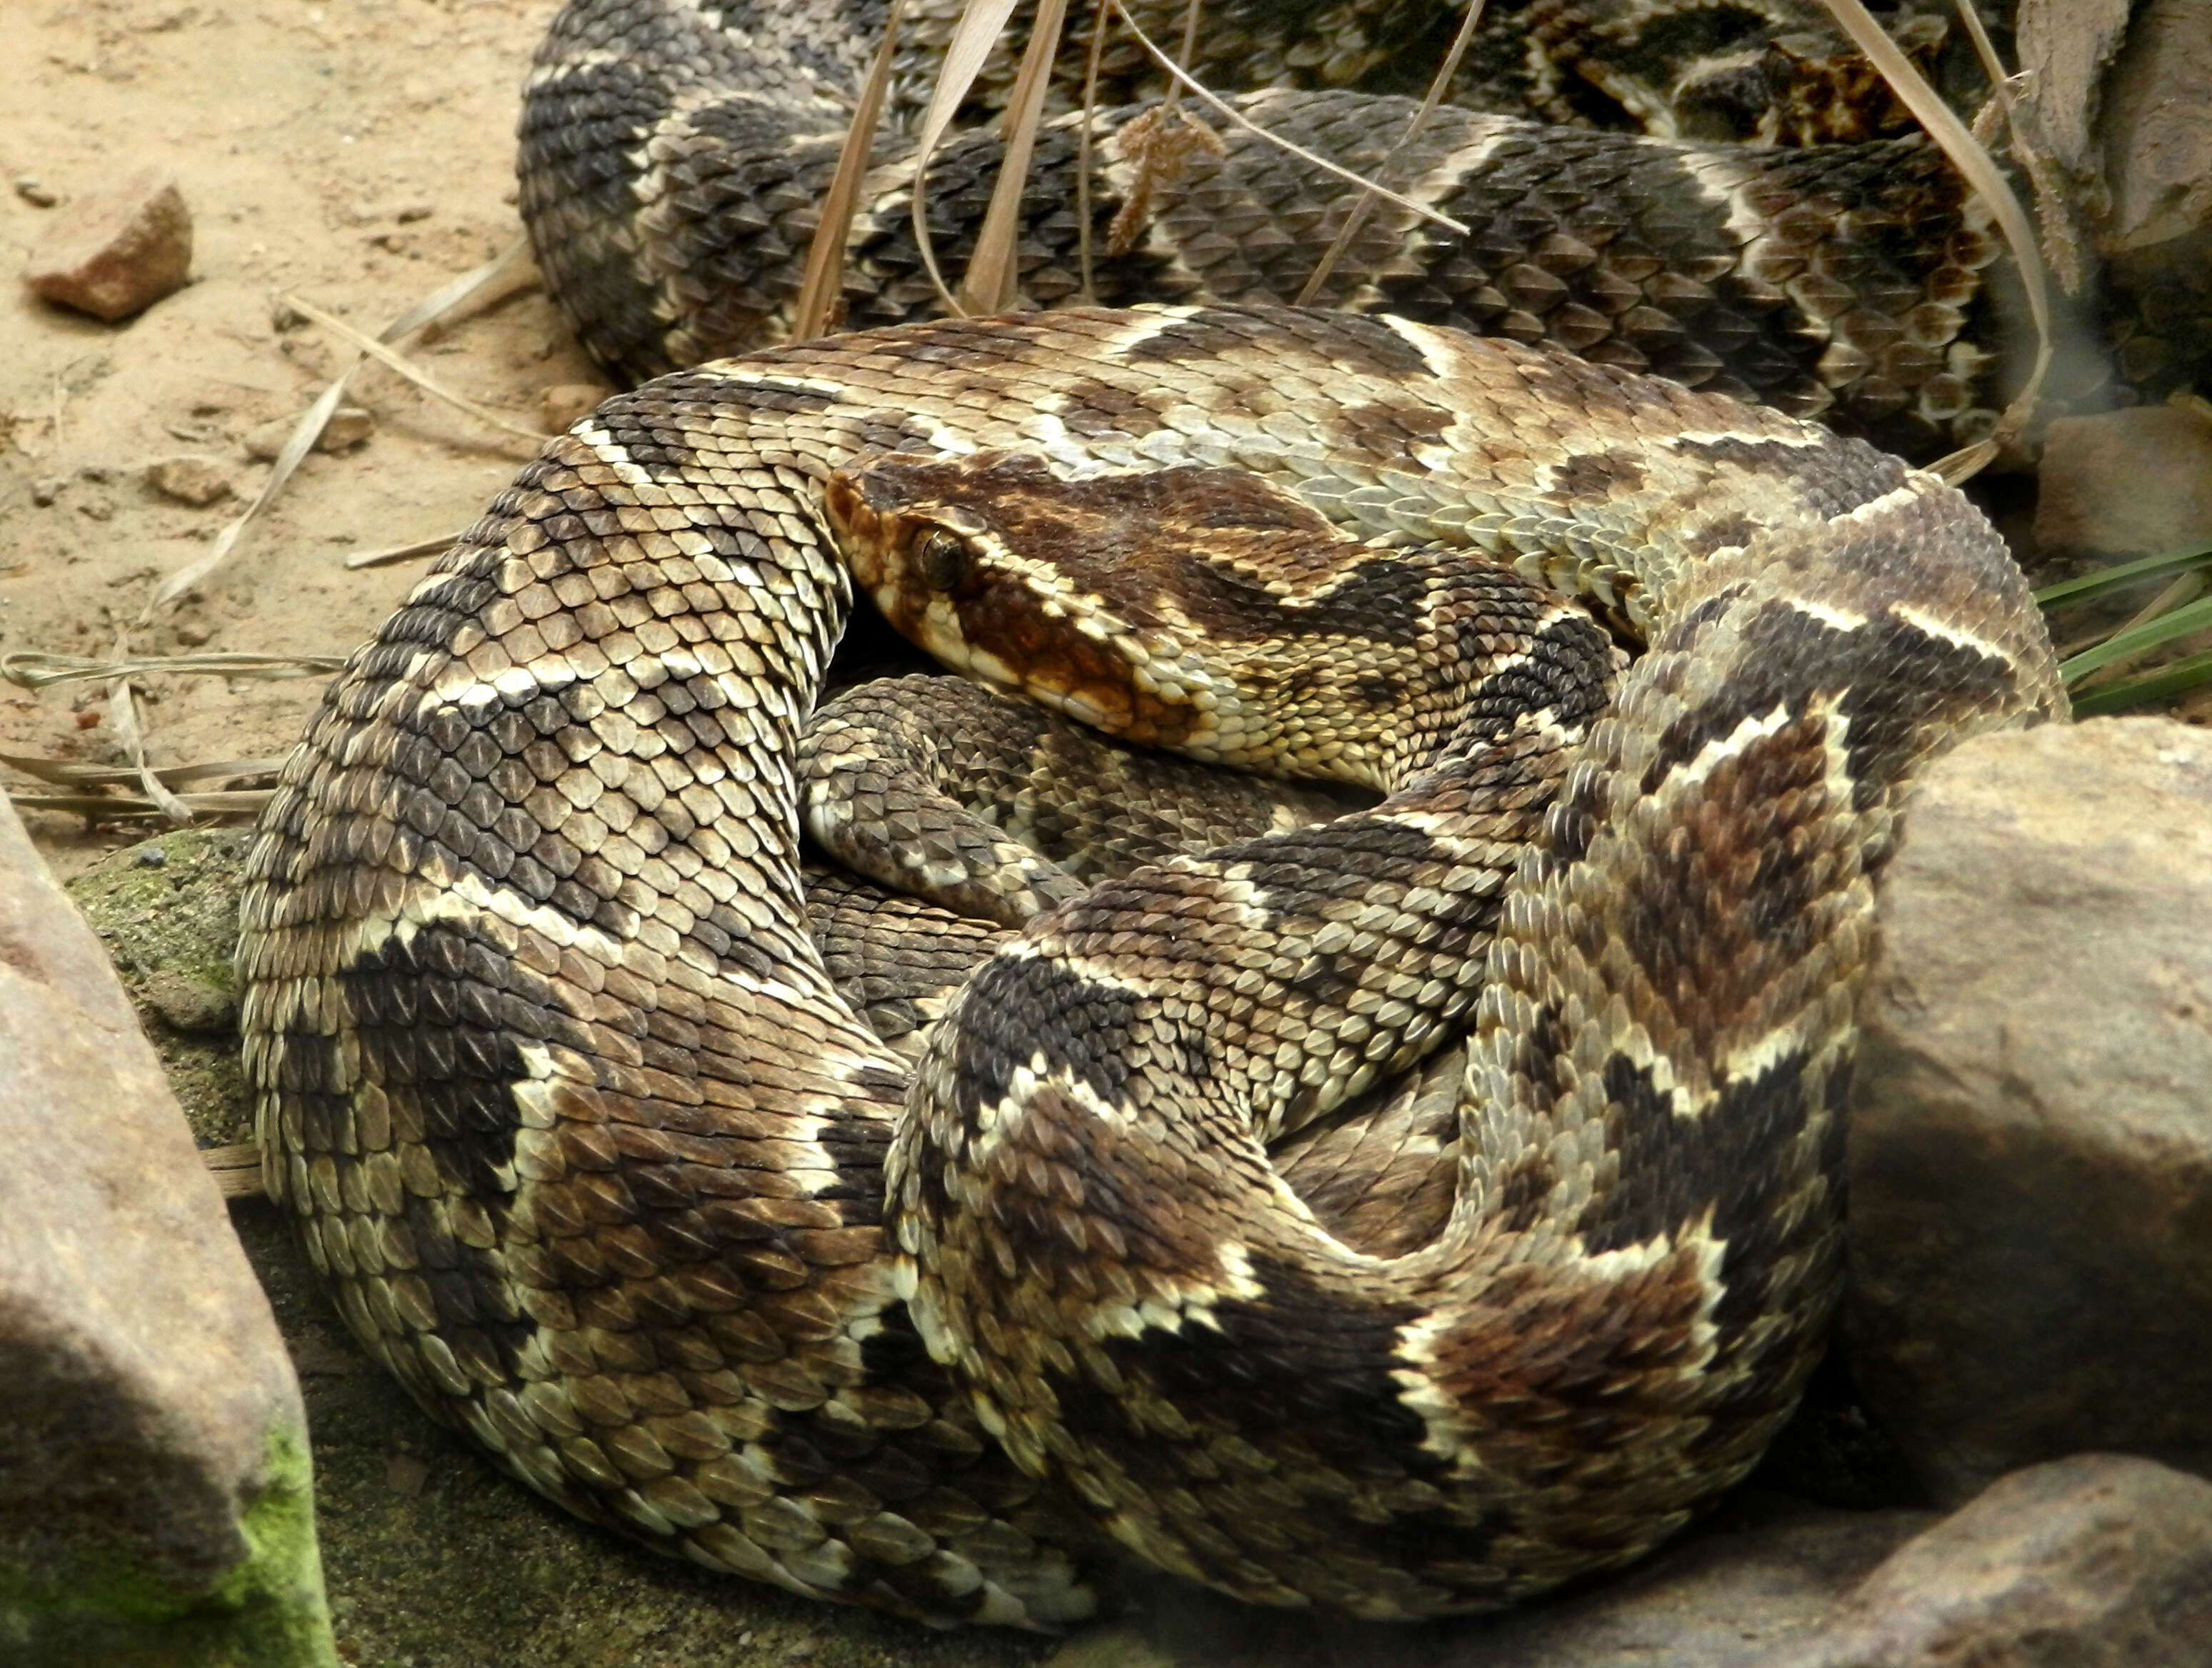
672 155
601 1165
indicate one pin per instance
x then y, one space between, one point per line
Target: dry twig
438 304
1357 216
822 287
1981 172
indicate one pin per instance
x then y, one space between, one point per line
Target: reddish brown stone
116 251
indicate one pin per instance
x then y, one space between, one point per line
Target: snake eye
943 559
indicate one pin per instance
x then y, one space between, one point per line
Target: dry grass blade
304 435
30 670
1230 113
438 304
1089 293
81 788
1974 163
75 773
1438 84
384 355
1985 50
236 1169
123 719
1956 469
988 284
822 285
413 551
103 807
977 32
505 274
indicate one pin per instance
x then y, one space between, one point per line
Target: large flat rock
154 1496
2031 1149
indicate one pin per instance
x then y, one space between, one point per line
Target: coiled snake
594 1155
601 1165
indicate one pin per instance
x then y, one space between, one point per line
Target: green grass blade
2195 617
2167 681
2068 592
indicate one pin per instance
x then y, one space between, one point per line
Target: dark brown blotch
1590 475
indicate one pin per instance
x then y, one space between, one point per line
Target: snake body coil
601 1165
673 156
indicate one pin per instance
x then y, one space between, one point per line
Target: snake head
1209 612
1100 596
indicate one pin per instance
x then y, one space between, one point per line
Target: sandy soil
357 157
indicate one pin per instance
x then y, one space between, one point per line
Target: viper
601 1164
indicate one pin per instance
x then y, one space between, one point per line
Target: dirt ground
356 157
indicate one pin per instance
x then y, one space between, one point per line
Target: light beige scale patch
1912 490
1950 631
1836 618
552 75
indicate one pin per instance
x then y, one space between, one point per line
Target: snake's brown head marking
940 545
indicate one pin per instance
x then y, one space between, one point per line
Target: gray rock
155 1502
115 252
2125 483
2031 1156
2158 127
2096 1562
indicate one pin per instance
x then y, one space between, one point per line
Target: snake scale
600 1161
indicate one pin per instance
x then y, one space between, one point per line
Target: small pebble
44 492
405 1474
152 857
349 426
37 196
96 509
193 481
187 1004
